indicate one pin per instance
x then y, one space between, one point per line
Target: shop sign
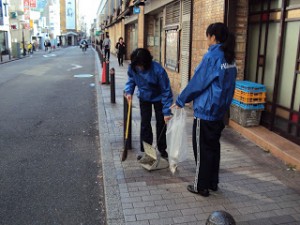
136 10
1 14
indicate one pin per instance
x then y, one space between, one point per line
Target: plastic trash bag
176 136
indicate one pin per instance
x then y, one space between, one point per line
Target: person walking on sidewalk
106 44
153 90
211 89
121 47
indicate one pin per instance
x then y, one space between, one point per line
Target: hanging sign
136 10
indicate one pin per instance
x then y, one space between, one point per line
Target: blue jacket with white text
153 86
212 87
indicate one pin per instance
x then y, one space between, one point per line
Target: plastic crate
247 106
249 100
249 94
246 118
248 86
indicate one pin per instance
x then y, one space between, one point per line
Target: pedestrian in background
107 44
46 45
211 89
101 44
29 48
153 90
121 48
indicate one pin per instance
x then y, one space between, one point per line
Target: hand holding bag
176 136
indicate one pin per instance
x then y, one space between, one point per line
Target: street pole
24 53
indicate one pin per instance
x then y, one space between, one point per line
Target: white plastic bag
177 139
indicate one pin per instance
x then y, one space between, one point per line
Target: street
50 164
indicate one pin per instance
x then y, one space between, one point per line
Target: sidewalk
255 187
5 59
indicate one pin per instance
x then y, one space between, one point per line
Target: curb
114 210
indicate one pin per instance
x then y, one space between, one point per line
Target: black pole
107 72
127 144
23 40
112 86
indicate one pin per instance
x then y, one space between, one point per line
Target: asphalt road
50 165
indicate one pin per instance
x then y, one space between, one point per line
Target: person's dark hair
141 57
120 38
226 38
107 35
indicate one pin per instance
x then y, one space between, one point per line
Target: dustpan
151 160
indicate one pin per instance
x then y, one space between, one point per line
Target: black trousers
146 128
206 146
120 59
107 53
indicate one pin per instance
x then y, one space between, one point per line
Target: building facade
69 21
267 45
4 27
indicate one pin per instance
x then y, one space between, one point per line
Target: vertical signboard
26 9
70 14
1 14
33 3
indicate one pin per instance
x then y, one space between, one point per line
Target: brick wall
206 12
62 15
241 27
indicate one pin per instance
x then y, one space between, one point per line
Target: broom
124 154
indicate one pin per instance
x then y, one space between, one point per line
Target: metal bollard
128 142
220 217
112 86
107 72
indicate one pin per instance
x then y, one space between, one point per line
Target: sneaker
202 192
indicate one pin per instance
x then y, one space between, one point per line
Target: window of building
172 50
172 36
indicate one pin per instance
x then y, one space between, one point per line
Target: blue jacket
212 86
153 86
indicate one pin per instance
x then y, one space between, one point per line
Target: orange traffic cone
103 73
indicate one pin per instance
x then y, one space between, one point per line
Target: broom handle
128 117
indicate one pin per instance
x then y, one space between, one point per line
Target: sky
88 8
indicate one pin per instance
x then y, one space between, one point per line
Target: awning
70 33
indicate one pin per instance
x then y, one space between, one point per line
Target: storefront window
3 41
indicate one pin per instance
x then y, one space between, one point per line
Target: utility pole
23 40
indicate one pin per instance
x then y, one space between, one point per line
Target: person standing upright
211 89
106 44
121 48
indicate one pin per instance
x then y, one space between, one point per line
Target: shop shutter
185 43
173 13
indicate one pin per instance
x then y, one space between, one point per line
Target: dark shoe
164 154
214 187
202 192
139 157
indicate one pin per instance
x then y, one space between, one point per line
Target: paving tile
161 221
170 214
184 219
147 216
142 204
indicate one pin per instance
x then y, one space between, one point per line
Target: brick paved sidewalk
255 187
